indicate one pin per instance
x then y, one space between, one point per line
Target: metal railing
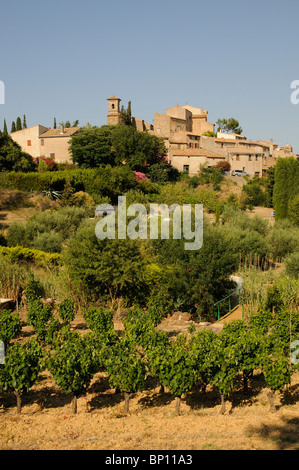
235 292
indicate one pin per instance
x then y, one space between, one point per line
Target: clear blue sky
234 58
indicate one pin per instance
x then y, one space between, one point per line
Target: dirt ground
264 212
47 423
19 215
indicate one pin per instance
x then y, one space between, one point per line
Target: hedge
17 253
106 181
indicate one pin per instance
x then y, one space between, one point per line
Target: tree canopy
12 158
230 125
116 145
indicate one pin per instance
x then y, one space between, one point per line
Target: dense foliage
286 186
12 158
116 145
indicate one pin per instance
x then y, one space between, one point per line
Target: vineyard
116 344
84 357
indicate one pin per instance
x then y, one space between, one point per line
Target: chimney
61 129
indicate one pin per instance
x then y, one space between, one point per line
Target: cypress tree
13 127
280 190
285 186
129 114
67 197
55 125
19 124
24 122
293 171
5 128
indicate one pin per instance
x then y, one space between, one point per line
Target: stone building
188 136
40 141
181 129
54 143
115 117
240 153
28 139
190 141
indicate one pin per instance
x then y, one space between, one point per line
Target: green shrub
251 246
72 367
16 234
50 242
39 316
23 363
64 222
261 321
34 289
66 310
126 368
100 321
18 253
106 181
254 194
206 197
82 198
10 326
283 240
212 176
238 219
292 265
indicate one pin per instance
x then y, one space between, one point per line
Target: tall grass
58 285
12 279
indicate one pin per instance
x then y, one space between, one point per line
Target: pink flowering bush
140 176
50 164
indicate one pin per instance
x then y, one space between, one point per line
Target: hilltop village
190 141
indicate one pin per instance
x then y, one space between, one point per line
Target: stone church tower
114 116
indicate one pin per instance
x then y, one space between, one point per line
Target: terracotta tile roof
195 153
114 98
239 142
243 150
67 131
267 143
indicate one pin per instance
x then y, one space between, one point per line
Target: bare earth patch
46 422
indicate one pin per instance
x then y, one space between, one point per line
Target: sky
233 58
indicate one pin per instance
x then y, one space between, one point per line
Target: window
249 158
52 155
256 158
28 143
186 168
237 157
42 142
